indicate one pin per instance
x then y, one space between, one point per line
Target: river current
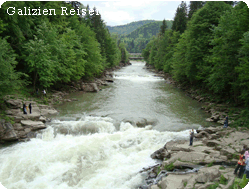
104 139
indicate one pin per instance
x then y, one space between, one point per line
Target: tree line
139 38
206 48
52 50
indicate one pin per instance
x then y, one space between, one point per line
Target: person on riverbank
191 137
247 168
44 92
226 122
24 109
30 107
240 165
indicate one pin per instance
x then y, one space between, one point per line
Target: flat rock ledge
25 126
214 154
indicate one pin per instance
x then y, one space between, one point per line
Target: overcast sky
122 12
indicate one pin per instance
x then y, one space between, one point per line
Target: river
104 139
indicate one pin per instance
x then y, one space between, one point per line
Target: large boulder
211 143
173 181
34 125
45 112
161 154
89 87
208 174
202 134
191 157
7 132
14 103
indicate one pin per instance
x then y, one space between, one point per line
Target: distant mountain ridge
137 40
128 28
137 34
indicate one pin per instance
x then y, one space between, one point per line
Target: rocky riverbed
212 157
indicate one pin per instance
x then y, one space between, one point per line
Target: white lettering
25 13
97 12
78 11
72 12
34 11
64 10
13 12
39 11
20 12
83 11
45 11
50 10
91 12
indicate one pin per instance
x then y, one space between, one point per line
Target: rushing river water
104 139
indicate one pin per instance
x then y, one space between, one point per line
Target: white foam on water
139 78
105 159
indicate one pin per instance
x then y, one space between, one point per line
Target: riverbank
209 163
15 126
237 116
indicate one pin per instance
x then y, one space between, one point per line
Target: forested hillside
128 28
138 39
207 49
51 50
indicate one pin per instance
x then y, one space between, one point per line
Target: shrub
213 186
239 183
210 164
223 180
169 167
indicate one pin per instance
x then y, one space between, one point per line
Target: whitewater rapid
89 153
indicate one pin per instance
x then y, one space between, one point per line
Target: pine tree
194 6
180 19
163 27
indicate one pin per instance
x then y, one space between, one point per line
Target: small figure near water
240 165
44 92
226 122
191 137
24 109
30 107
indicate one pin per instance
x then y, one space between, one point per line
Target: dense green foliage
50 50
138 39
180 19
211 54
128 28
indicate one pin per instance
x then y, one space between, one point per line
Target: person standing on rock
226 122
30 107
191 137
24 109
247 168
240 164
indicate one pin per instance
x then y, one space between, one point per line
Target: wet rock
89 87
161 154
34 125
42 119
45 112
7 132
109 80
18 127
